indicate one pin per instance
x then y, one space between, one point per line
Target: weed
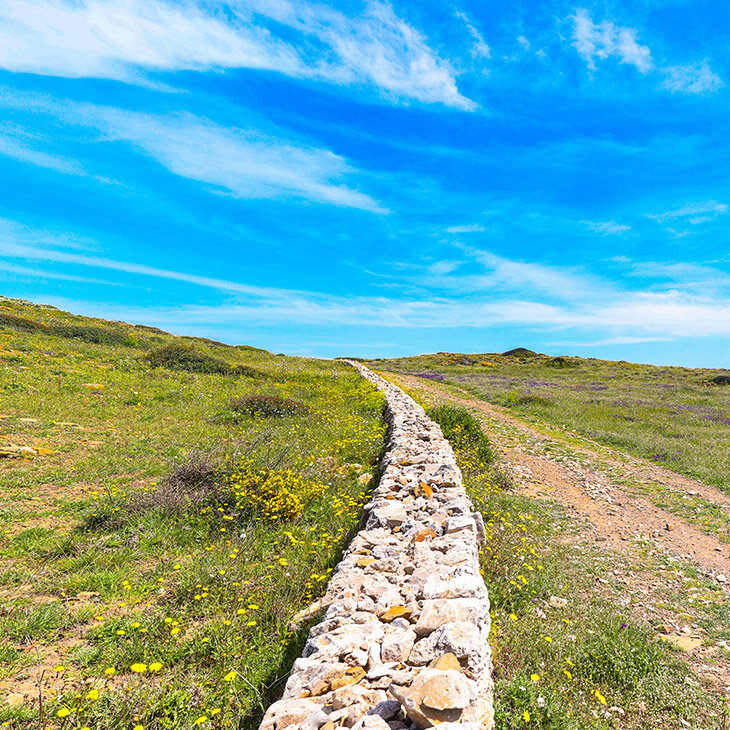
266 406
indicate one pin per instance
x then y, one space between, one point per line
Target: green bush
89 333
246 371
21 323
176 356
463 430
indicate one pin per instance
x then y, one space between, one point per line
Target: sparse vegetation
568 656
266 406
152 553
677 416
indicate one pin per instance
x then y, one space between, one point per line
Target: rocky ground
404 640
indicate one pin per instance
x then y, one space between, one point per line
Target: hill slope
167 505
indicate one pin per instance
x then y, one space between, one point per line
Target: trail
596 486
611 492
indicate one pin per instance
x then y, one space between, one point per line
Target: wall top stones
404 640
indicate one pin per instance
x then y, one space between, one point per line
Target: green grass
673 416
110 559
590 663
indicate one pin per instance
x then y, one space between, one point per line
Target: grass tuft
266 406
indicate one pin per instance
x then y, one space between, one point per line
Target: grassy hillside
167 506
678 417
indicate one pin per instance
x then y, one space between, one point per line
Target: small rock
387 710
364 478
434 697
446 661
87 595
685 643
721 578
397 644
371 722
557 602
15 699
395 612
438 612
288 712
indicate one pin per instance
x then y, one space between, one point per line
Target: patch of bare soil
591 483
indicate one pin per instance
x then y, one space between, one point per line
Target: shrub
520 352
88 333
557 362
274 494
463 430
21 323
246 371
193 483
515 399
266 405
721 380
177 356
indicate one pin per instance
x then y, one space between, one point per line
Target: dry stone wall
403 642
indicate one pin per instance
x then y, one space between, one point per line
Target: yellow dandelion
110 671
139 668
92 694
155 667
535 677
63 712
526 716
230 676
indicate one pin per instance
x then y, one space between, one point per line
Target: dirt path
652 549
599 486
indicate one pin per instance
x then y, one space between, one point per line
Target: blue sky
374 178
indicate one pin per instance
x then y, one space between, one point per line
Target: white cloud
242 162
692 78
124 39
607 228
609 312
245 162
23 147
473 228
604 40
693 213
479 48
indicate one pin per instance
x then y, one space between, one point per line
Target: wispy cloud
608 310
245 162
599 41
607 228
23 146
125 39
472 228
692 78
606 39
693 213
479 47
